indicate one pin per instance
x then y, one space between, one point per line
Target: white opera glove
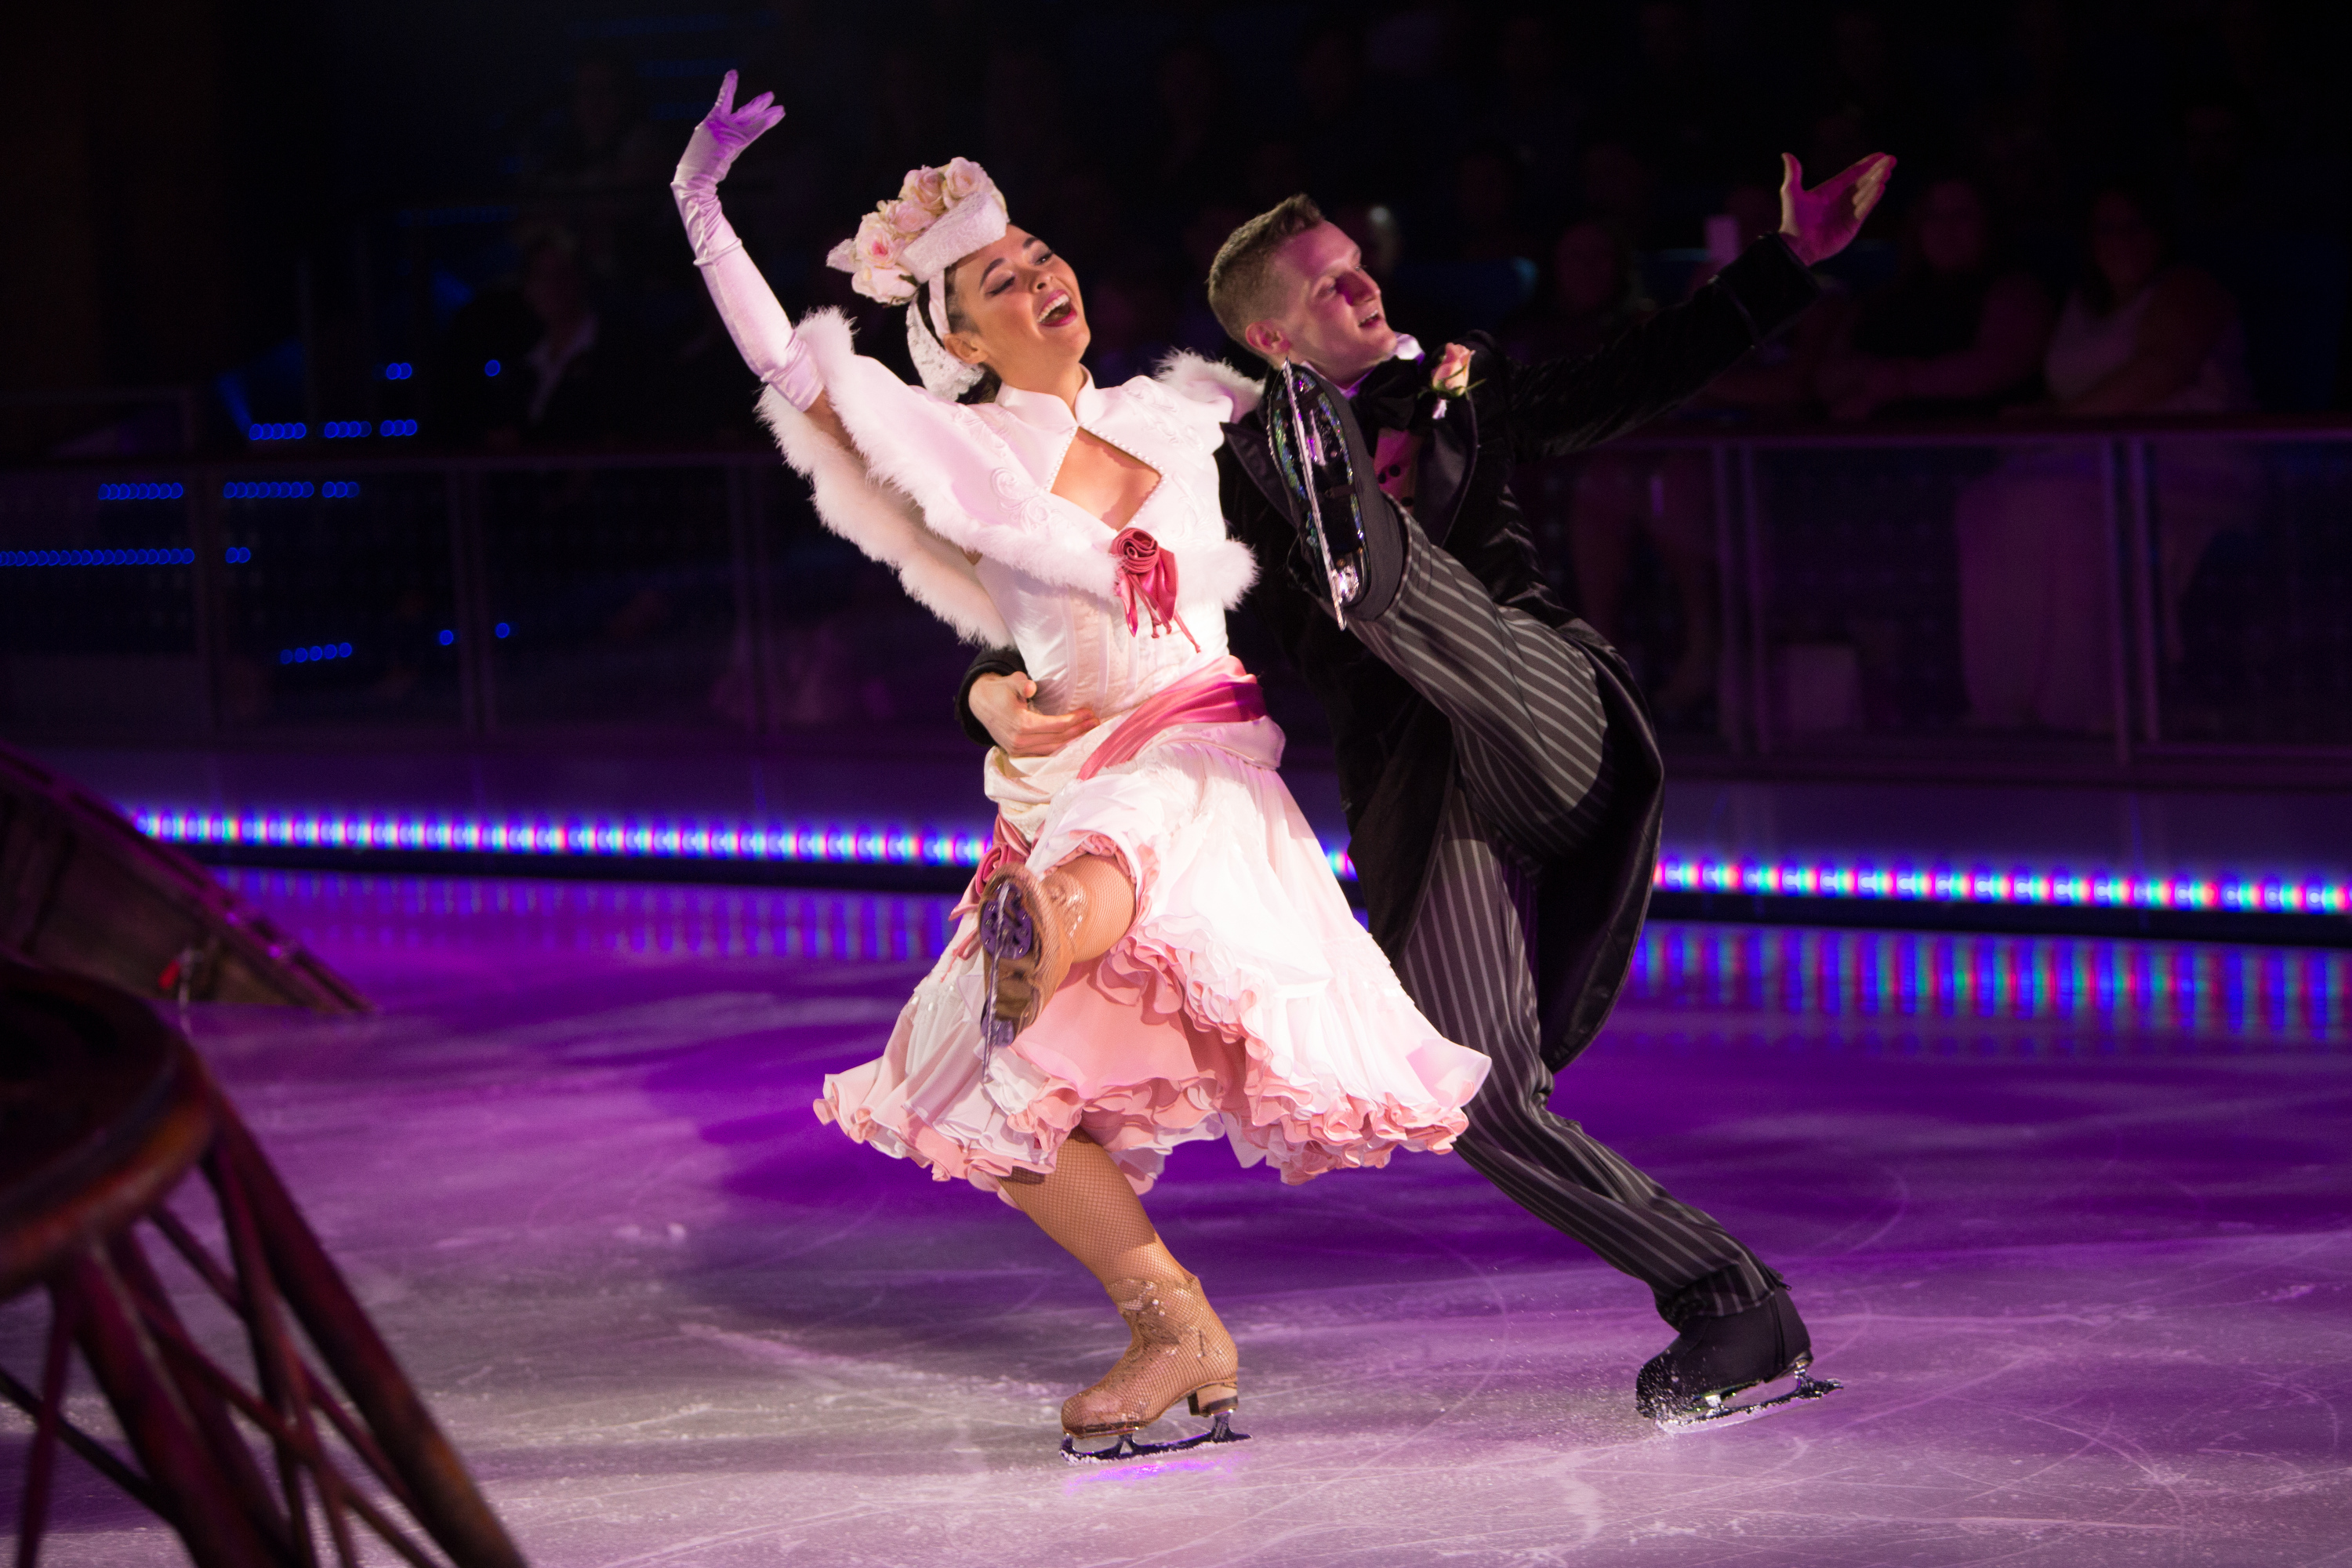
763 332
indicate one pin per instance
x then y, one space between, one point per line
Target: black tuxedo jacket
1393 748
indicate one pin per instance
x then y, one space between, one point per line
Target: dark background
271 204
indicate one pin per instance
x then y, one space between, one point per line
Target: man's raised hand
1820 222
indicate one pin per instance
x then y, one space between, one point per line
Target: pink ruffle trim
1125 1010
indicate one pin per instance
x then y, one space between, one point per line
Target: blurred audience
599 139
2141 333
1614 500
1960 334
1483 135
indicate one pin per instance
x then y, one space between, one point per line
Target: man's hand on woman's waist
1002 704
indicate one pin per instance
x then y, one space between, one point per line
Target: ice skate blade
1220 1430
1723 1413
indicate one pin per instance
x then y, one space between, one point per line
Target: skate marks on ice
670 1320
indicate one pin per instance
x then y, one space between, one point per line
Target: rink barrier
1826 538
903 845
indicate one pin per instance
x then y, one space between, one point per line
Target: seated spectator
1957 335
2140 334
1594 292
602 141
1611 498
573 382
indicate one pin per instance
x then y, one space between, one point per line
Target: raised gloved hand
710 152
763 332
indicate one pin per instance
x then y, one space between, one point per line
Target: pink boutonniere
1451 379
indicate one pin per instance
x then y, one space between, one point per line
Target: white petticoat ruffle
1244 1002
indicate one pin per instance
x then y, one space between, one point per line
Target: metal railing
2243 524
317 586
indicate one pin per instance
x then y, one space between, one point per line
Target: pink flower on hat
925 185
960 178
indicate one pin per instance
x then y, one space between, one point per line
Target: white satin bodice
1075 644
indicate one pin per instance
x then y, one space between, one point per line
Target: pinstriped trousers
1531 784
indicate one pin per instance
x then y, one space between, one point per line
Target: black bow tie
1388 398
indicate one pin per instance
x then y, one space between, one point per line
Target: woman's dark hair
985 390
2154 211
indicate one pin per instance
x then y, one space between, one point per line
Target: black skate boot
1696 1381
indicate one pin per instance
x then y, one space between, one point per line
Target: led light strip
898 845
2055 889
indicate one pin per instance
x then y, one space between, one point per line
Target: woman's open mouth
1059 311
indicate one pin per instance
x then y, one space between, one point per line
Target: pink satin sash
1220 693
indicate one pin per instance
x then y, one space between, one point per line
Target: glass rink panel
340 604
98 605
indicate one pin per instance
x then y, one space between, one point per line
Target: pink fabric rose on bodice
1147 581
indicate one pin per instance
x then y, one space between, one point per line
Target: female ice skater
1155 950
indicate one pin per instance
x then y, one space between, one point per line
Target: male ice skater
1502 781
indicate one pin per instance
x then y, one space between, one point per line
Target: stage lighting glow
399 370
340 489
503 629
276 432
832 843
315 653
236 554
906 845
345 429
266 490
141 493
1690 985
397 427
491 368
447 637
96 557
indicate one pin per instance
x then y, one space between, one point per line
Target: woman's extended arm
763 332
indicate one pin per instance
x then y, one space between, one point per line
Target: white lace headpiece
904 248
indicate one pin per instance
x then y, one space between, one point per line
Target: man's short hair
1242 284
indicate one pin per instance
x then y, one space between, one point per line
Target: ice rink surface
2069 1217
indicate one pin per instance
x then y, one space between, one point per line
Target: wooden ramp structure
83 891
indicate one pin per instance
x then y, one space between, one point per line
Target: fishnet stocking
1176 1346
1088 1206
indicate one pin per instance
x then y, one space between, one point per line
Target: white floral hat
905 246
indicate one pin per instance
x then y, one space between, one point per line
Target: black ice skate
1697 1380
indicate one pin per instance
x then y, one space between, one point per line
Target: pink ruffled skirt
1245 1002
